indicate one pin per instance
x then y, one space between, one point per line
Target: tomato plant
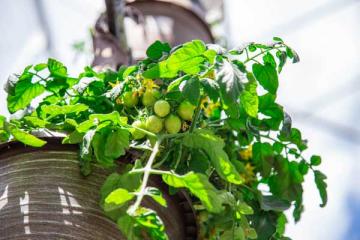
218 131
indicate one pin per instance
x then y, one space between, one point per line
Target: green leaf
191 91
150 221
268 58
231 82
4 135
86 152
35 122
56 68
73 138
51 111
160 70
187 58
271 203
280 226
321 186
155 194
40 66
156 50
244 209
315 160
117 198
95 119
126 224
116 143
213 146
249 99
25 137
267 76
174 85
24 93
263 157
99 147
211 88
199 185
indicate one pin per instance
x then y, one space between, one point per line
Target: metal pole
115 10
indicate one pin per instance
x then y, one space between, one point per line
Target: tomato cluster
162 117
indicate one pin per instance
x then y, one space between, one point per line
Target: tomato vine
203 118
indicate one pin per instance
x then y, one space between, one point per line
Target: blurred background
322 92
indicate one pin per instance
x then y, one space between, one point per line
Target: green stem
147 171
196 116
143 130
262 52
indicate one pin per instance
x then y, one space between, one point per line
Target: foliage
217 131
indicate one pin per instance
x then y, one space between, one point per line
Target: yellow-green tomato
162 108
154 124
130 99
149 97
172 124
186 110
137 134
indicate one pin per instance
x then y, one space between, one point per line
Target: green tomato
162 108
186 110
130 99
154 124
149 97
172 124
137 134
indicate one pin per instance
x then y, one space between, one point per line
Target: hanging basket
44 196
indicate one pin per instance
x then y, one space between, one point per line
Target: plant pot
44 196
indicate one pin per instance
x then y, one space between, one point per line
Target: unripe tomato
162 108
130 99
154 124
137 134
172 124
149 97
186 110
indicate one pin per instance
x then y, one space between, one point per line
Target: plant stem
142 130
147 171
262 52
196 116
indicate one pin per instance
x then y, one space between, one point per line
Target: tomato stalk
147 172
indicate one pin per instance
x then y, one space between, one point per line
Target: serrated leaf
151 222
159 70
263 157
187 58
249 99
174 85
86 152
155 194
56 68
213 146
116 143
40 66
271 203
156 50
267 76
35 122
315 160
25 137
198 185
191 91
51 111
211 87
117 198
231 81
24 93
321 186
